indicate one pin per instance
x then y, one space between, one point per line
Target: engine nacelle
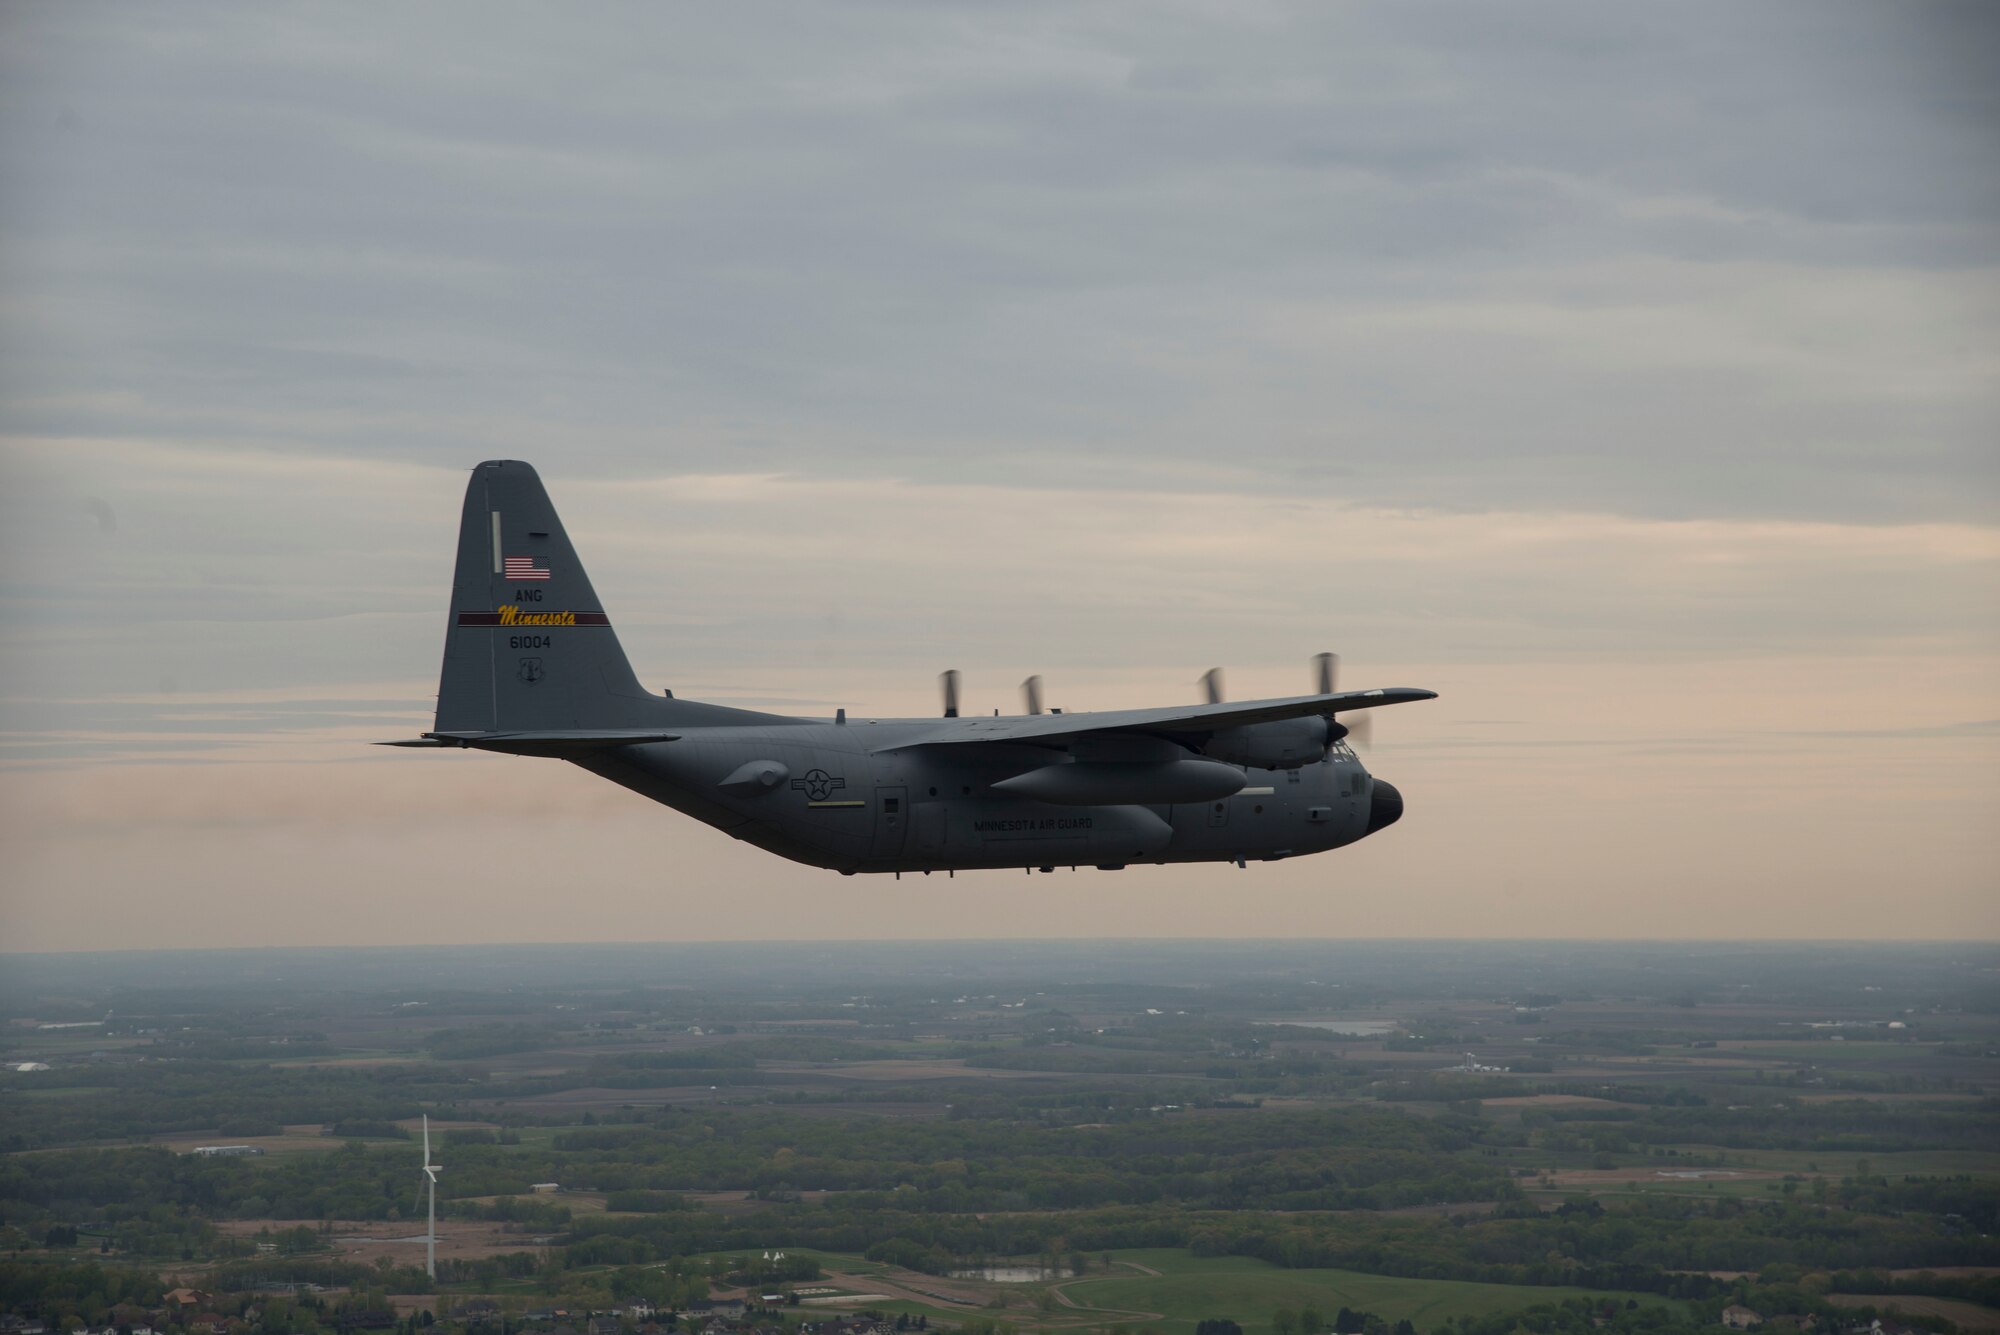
1285 744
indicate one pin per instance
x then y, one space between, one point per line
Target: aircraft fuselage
844 802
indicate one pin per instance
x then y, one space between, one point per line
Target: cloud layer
1707 262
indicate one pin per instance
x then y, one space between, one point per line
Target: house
1738 1317
604 1325
640 1310
544 1188
853 1325
179 1300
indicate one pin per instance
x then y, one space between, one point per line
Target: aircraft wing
1035 729
554 742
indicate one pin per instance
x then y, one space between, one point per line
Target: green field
1757 1187
541 1137
1875 1052
61 1092
1847 1163
1247 1291
851 1263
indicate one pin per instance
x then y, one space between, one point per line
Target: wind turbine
431 1232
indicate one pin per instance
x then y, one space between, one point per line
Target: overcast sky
1626 374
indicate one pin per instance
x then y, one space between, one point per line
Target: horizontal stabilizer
550 742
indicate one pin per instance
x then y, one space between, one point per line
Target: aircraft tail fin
528 647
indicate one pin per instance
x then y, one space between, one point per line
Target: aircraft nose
1385 806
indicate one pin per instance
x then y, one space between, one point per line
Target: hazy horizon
1080 942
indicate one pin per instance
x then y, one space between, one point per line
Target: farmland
1184 1290
1163 1134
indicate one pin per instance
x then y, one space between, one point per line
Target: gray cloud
1077 245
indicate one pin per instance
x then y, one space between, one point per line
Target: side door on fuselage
892 822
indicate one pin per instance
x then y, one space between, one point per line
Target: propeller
1328 668
1211 685
1361 729
949 680
1031 694
1360 725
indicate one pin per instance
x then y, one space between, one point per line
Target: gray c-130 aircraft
532 667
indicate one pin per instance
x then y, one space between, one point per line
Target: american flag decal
523 567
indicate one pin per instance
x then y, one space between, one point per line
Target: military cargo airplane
532 667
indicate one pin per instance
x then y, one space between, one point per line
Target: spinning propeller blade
1211 685
1361 730
948 679
1031 694
1360 724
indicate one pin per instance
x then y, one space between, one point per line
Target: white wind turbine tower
431 1231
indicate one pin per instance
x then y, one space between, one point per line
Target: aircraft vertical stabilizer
527 643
